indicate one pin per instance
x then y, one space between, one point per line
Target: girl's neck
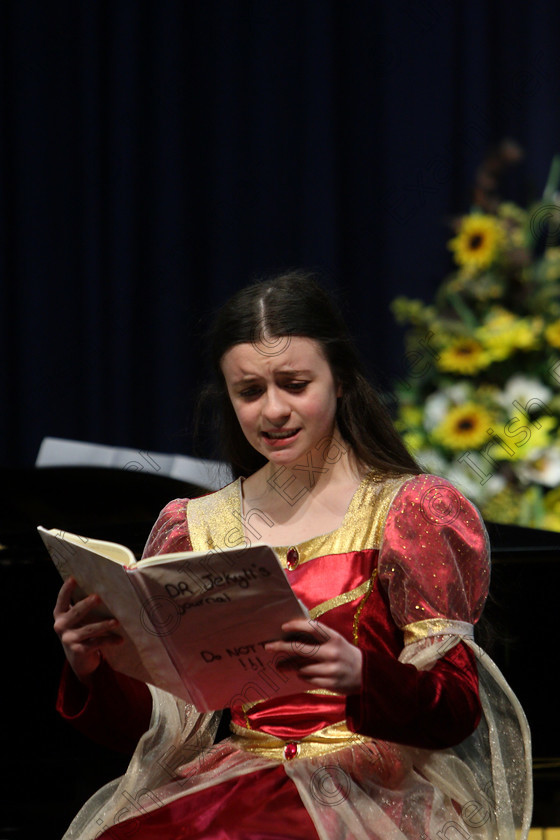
313 475
299 504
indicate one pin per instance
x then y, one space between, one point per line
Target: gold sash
335 737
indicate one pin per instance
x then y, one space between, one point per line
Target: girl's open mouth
281 436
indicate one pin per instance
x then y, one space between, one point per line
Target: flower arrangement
480 401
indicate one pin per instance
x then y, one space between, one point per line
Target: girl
407 730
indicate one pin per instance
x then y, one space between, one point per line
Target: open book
194 623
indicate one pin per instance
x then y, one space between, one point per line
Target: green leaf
553 179
464 312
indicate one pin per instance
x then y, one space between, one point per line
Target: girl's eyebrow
293 372
253 377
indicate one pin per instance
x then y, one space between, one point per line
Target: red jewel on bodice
292 558
291 750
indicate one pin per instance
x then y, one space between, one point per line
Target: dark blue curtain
156 156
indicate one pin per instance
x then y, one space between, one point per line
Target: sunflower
552 334
464 356
478 241
464 427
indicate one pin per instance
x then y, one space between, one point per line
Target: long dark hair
270 312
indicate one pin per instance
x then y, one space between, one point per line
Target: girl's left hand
320 655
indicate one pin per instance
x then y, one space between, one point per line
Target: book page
215 612
142 654
113 551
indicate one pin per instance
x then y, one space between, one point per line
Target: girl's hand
321 656
83 643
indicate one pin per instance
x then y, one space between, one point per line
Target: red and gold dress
434 746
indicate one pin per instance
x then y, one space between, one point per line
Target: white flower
435 409
523 389
458 393
542 467
474 476
437 404
432 461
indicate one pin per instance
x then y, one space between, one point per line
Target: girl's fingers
96 631
64 598
303 638
68 615
81 609
295 651
303 629
89 644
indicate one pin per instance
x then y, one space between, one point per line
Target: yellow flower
464 355
410 416
464 427
413 441
551 263
478 241
517 238
411 310
541 433
520 336
552 501
499 318
521 436
487 392
515 221
503 333
552 334
503 506
512 212
551 522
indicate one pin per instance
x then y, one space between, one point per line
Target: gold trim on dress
436 627
338 600
361 605
216 521
335 737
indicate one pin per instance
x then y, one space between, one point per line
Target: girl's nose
276 406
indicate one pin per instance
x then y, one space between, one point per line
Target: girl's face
285 399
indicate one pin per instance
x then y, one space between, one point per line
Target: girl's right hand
83 643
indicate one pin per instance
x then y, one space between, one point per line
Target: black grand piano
49 770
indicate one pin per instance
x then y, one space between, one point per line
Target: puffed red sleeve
434 572
170 532
115 709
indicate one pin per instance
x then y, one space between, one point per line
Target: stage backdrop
156 156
